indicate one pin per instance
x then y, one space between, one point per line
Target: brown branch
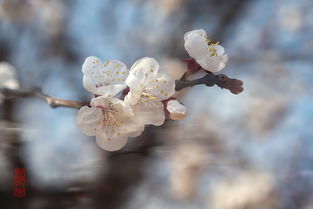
53 102
234 85
221 80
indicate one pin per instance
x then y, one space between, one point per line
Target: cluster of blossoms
127 100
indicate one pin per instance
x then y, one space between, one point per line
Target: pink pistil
101 107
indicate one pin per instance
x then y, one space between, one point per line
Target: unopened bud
177 111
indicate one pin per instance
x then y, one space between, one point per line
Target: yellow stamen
212 48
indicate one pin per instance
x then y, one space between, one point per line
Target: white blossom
177 111
106 78
147 89
109 119
210 56
7 77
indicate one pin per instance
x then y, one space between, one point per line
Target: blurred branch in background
36 93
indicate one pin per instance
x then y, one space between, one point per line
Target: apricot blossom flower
147 89
104 78
109 119
209 55
177 111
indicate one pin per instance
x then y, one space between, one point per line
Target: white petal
173 106
145 69
162 88
89 120
100 101
120 106
120 115
212 64
133 97
199 32
133 82
196 43
128 108
105 101
173 68
104 79
8 76
136 133
151 112
176 110
131 127
127 124
10 84
111 144
135 89
219 50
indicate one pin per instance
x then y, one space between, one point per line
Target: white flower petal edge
8 76
89 120
196 43
110 121
111 145
147 90
177 111
151 112
105 79
210 56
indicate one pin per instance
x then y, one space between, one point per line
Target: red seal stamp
20 182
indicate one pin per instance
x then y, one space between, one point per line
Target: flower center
111 116
101 107
212 45
148 96
113 121
212 48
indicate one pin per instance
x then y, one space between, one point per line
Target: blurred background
252 150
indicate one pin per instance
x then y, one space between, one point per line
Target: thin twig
221 80
234 85
208 80
53 102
